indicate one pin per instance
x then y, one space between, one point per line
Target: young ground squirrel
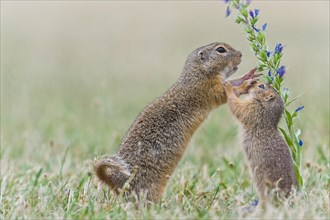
266 150
158 137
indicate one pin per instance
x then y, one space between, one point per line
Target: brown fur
158 137
266 150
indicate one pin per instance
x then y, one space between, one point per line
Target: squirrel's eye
221 50
261 86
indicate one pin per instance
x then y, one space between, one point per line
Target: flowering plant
270 61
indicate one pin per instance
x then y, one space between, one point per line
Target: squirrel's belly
161 150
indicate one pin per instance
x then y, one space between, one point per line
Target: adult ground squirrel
266 150
157 139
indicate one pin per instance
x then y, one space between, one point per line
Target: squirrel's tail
112 171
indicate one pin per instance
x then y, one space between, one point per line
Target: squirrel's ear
202 55
269 96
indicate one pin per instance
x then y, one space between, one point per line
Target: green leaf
298 175
294 114
239 19
295 138
268 79
276 85
250 38
253 21
261 67
263 54
261 58
38 174
286 95
261 38
279 82
288 117
223 185
254 48
271 65
277 59
286 137
249 31
294 99
244 13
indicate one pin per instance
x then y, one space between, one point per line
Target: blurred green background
76 74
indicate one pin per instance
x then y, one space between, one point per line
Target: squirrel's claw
251 74
247 76
251 82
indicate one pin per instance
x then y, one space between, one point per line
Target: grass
69 95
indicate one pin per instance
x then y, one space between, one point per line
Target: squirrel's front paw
227 86
247 84
251 74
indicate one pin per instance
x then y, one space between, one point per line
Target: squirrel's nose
239 54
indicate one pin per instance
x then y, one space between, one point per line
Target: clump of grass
193 192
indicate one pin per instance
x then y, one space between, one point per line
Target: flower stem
270 61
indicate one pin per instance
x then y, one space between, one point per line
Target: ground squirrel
266 150
157 139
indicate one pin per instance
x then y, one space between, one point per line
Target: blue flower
226 1
255 202
300 108
268 53
264 26
281 71
270 75
300 143
278 48
256 12
228 11
251 14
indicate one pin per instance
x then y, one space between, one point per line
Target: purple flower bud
281 71
270 75
226 1
228 11
256 12
248 2
255 202
278 48
300 108
268 53
264 26
300 143
251 14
